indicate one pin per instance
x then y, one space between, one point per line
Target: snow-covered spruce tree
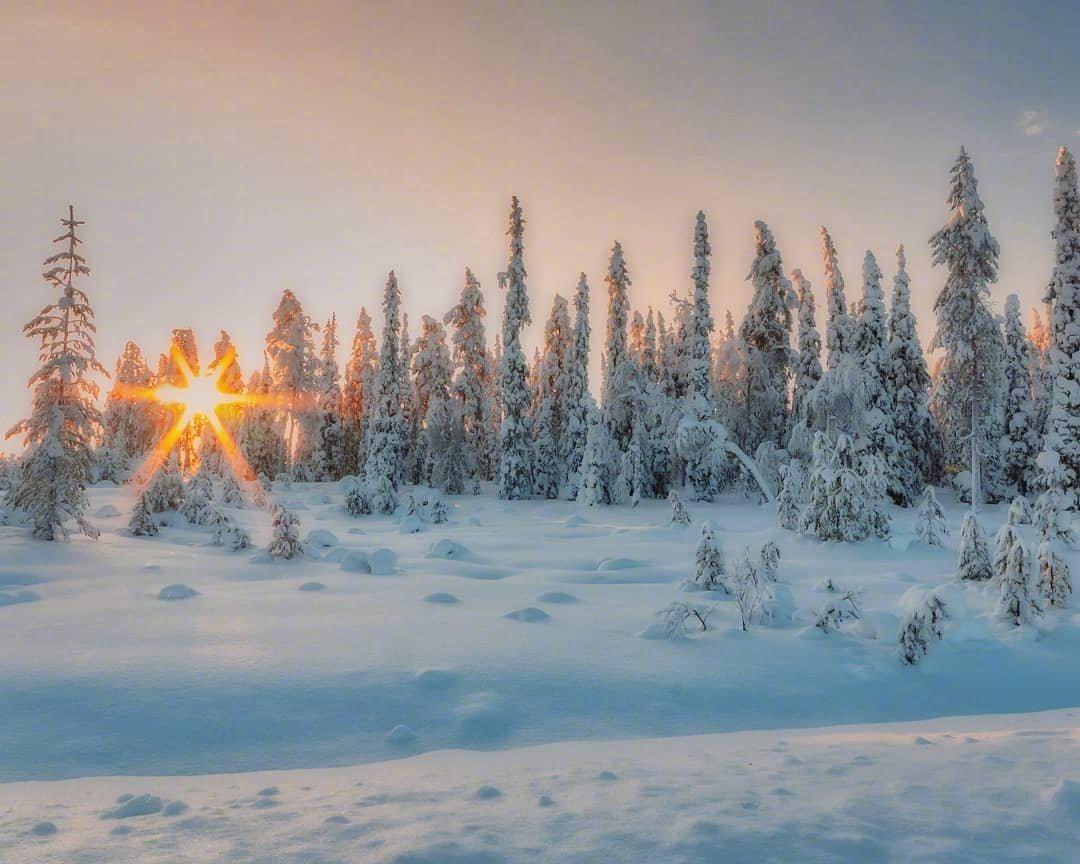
699 372
553 381
748 589
515 436
130 422
382 467
165 491
1020 511
679 514
357 393
1054 584
599 465
1049 520
766 334
1021 439
917 437
710 567
231 494
729 370
229 534
974 564
576 398
142 522
431 380
921 626
411 419
1040 341
791 502
968 389
619 390
871 347
930 525
660 416
666 358
838 332
807 368
634 481
649 360
471 378
635 346
445 445
837 497
290 352
1059 461
1006 536
286 540
260 441
328 451
198 497
1017 604
64 419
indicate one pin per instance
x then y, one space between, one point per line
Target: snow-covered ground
98 676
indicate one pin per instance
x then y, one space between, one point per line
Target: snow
111 692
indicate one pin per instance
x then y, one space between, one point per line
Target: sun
198 395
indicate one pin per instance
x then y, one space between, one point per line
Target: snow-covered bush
231 493
436 510
709 566
1050 521
357 502
198 504
748 589
1016 603
920 626
1020 511
1006 536
679 514
286 541
791 501
230 535
142 522
836 611
165 491
770 560
674 619
974 564
1054 582
930 525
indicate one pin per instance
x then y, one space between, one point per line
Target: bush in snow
835 612
845 494
921 626
436 510
674 618
748 589
930 525
198 504
381 494
974 564
356 498
1054 583
142 522
679 514
230 535
286 541
1006 536
231 493
1016 604
1020 511
1049 520
709 566
165 491
791 501
770 560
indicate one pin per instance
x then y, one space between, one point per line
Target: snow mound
12 598
356 561
355 530
606 565
321 537
607 776
106 511
435 679
400 735
9 579
383 562
530 615
1064 798
179 591
337 819
482 717
44 829
268 792
448 549
561 597
335 555
574 520
441 597
175 808
136 805
900 542
545 801
487 793
877 625
410 525
312 586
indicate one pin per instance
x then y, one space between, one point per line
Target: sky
222 152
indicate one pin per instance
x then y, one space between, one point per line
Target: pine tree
921 626
328 452
577 397
650 363
598 465
1059 461
64 419
260 442
411 419
1016 604
930 525
515 438
1021 441
358 391
619 381
840 503
699 373
444 431
679 514
471 379
382 467
1006 537
967 392
838 333
634 479
431 380
909 382
142 522
766 333
791 501
1050 521
553 383
974 564
808 369
165 491
290 352
286 541
131 419
1020 511
710 568
1054 583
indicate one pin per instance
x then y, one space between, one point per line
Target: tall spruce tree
968 388
619 381
64 418
382 467
808 369
358 391
553 375
515 437
1021 441
578 400
838 333
471 378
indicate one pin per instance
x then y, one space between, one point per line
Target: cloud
1033 122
